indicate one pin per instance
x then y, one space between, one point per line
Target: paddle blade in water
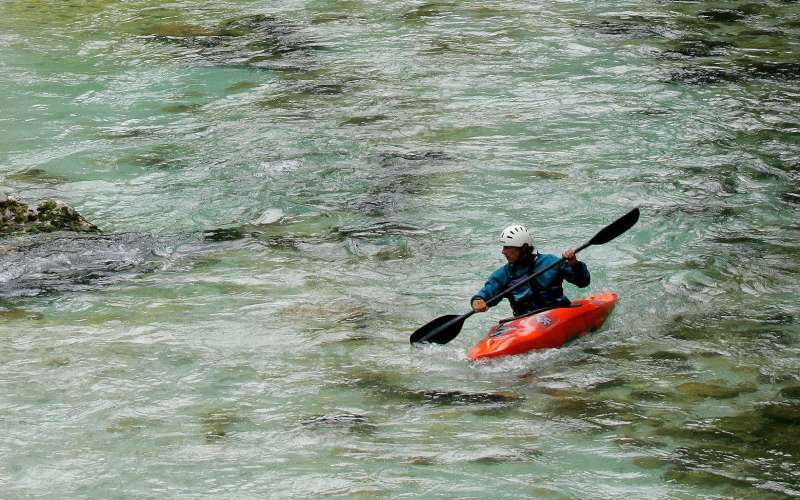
616 228
439 331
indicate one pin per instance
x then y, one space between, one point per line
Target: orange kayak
547 329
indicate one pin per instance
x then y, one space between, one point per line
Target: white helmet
516 236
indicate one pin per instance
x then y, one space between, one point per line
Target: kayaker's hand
569 256
479 305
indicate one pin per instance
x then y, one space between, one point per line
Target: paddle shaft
464 316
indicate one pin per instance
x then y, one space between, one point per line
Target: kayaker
523 260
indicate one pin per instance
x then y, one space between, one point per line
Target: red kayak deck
548 329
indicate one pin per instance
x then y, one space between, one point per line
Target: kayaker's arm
497 282
575 271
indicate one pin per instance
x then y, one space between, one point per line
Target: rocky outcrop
17 216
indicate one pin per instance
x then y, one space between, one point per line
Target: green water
192 351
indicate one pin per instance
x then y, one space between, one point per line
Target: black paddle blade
616 228
439 331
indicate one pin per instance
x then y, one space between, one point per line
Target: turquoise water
287 192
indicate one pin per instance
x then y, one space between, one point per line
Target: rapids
285 191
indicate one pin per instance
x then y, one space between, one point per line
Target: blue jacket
543 291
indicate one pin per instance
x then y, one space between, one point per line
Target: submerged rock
503 457
32 264
700 390
132 424
50 215
162 156
259 23
786 413
745 426
650 462
702 478
35 175
330 18
773 70
561 392
338 419
381 229
337 312
276 229
13 313
382 385
350 421
723 324
56 361
668 356
792 392
631 27
426 10
182 30
300 96
624 352
791 197
609 384
698 432
548 174
226 234
759 437
251 40
735 469
458 397
648 395
700 76
721 15
582 408
421 461
698 47
241 86
390 158
401 251
217 423
181 108
365 120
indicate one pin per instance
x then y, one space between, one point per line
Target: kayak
551 328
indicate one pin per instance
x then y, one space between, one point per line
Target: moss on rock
17 216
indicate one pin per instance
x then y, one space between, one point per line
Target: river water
287 192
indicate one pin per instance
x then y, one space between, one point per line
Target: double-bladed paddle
445 328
